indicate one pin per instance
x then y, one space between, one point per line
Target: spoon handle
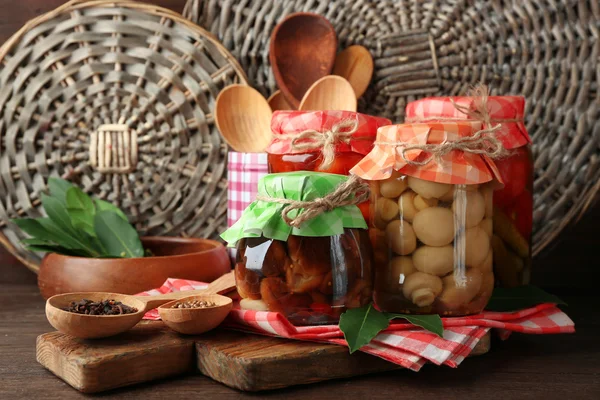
224 284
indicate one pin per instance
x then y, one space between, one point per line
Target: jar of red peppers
297 257
431 208
324 141
513 203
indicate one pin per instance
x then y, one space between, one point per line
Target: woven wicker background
116 96
546 50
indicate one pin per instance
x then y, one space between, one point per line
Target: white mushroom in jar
434 226
421 288
487 193
406 206
488 262
386 209
393 186
472 204
422 203
460 290
428 189
477 246
398 269
488 226
400 237
434 260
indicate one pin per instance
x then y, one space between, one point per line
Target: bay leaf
519 298
77 199
58 188
102 205
117 236
432 323
361 325
57 212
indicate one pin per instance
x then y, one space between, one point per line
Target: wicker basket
116 96
546 50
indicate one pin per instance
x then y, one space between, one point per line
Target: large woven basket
546 50
116 96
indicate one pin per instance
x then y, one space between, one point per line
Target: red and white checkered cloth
456 167
402 343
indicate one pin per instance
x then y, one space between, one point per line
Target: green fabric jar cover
263 218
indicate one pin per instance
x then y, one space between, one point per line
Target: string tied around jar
326 140
483 142
351 192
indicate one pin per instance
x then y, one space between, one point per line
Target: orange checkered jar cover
431 208
513 203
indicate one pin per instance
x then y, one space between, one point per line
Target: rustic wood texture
526 366
148 352
242 361
255 363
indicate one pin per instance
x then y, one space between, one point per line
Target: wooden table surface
525 367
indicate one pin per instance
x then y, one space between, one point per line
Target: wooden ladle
355 64
100 326
243 117
302 50
331 92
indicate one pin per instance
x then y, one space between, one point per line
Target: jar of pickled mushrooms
323 141
431 225
303 248
513 203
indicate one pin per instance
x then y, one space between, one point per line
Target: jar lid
265 216
288 125
410 149
508 111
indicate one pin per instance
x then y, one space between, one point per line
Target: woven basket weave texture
116 96
546 50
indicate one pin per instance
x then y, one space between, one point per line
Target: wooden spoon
329 93
277 102
355 64
100 326
302 50
243 117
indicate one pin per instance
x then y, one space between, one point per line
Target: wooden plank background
569 266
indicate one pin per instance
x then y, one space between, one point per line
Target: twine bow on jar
351 192
482 142
326 140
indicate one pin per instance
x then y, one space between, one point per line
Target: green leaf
77 199
56 249
360 325
68 240
432 323
36 242
518 298
34 228
58 188
57 213
83 220
118 236
102 205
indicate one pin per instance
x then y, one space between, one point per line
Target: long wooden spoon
100 326
355 64
329 93
243 117
302 50
277 101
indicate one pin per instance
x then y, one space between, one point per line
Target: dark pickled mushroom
276 294
311 262
247 282
267 257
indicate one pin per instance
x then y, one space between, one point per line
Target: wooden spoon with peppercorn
92 315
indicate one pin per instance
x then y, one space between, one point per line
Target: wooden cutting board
243 361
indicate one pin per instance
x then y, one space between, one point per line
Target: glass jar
513 215
297 257
432 219
310 280
347 135
513 219
433 246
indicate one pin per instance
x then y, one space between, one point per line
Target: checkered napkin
402 343
243 173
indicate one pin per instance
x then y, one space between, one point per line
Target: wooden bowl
186 258
92 326
194 321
